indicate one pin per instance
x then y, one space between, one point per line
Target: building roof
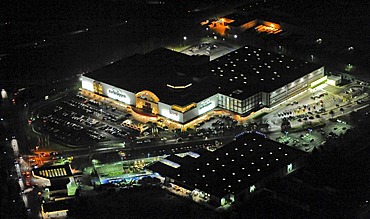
59 183
55 206
155 70
250 70
239 74
53 172
232 168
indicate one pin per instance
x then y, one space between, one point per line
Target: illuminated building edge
187 113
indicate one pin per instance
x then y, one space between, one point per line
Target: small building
334 80
55 209
233 172
57 179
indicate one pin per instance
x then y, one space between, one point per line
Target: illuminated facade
243 81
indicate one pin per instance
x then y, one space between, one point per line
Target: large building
232 172
181 87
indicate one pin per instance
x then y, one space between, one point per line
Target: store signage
116 93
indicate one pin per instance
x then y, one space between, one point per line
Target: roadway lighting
185 38
350 48
235 36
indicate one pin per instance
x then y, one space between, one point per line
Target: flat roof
55 206
232 168
251 70
59 183
155 70
52 172
240 74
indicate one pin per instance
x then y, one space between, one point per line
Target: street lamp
185 38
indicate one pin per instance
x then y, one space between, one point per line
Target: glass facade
240 106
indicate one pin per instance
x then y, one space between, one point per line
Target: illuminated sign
206 105
118 95
170 114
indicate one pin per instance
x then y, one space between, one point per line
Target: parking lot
76 120
315 115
